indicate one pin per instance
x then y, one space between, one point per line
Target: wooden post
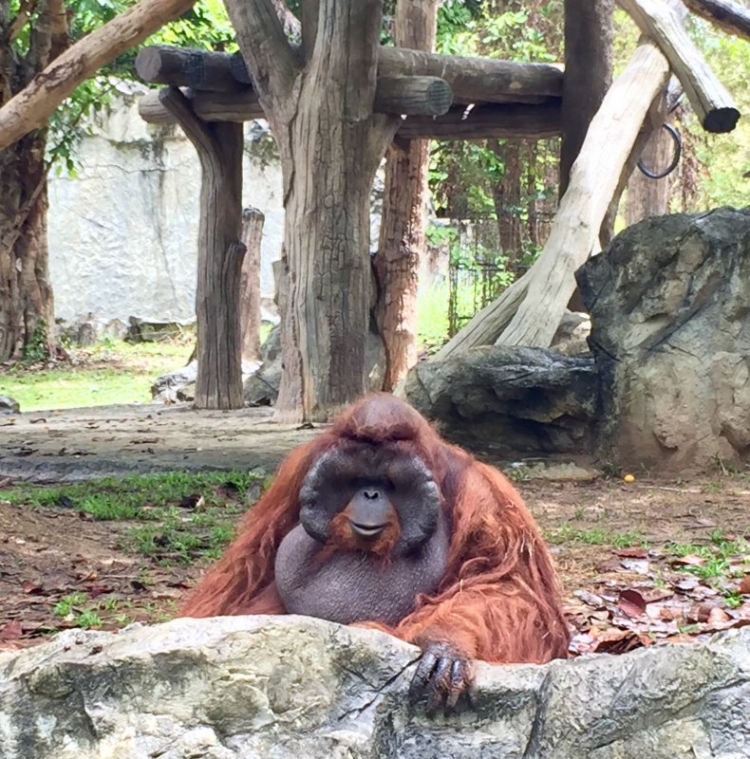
220 254
252 235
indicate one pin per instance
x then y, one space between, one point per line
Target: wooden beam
487 122
492 121
476 80
412 95
182 67
208 106
708 96
472 80
730 17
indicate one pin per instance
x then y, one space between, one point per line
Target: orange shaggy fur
498 600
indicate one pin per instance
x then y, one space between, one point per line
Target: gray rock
670 306
142 331
512 400
169 386
571 338
9 405
295 687
262 387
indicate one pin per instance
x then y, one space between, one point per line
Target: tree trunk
252 236
646 196
26 301
507 198
588 73
220 254
402 234
331 143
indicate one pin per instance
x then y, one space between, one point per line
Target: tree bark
330 144
402 232
220 255
252 236
588 74
26 299
507 198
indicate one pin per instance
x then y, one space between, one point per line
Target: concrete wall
123 231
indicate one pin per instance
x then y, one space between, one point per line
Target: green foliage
36 347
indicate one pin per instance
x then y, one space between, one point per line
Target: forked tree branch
271 59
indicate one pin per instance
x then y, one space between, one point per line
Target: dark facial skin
352 583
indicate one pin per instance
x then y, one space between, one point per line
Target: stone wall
123 231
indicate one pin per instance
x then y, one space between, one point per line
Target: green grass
183 517
567 533
108 373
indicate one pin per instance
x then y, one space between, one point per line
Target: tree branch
271 59
310 13
31 107
728 16
22 17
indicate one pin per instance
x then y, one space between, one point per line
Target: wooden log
208 106
533 306
486 122
728 16
182 67
412 95
493 121
32 106
476 80
472 80
252 236
220 255
708 96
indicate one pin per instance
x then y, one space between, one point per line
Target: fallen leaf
691 560
744 586
631 553
614 641
718 616
11 631
631 602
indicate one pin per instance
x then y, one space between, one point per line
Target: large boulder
670 308
515 401
293 687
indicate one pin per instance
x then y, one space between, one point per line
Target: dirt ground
611 540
